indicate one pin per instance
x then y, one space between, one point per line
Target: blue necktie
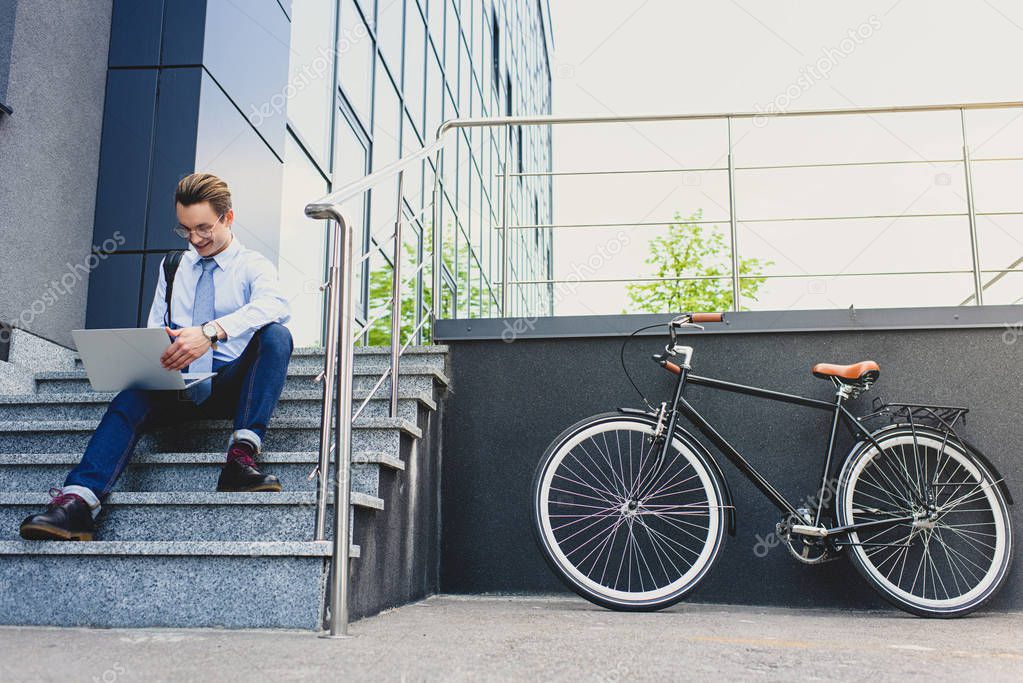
202 312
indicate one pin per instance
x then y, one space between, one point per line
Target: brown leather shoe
68 518
241 475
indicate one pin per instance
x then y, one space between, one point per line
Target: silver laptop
130 359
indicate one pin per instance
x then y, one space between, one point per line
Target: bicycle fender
687 437
991 466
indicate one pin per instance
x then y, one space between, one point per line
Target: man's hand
189 344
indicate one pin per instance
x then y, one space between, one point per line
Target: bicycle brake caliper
662 414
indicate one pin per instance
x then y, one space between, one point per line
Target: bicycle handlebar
684 320
706 317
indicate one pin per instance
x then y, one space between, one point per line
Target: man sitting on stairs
225 316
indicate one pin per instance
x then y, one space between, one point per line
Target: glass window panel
476 37
434 97
451 44
415 53
311 76
350 164
380 288
389 33
356 55
410 283
302 253
435 22
464 78
386 121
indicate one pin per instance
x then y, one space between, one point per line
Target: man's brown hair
204 187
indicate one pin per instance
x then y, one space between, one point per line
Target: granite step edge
408 369
305 498
281 423
176 548
212 458
82 397
416 350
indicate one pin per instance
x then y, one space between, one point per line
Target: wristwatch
209 331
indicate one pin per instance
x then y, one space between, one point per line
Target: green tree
692 249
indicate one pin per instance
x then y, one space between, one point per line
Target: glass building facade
288 100
370 81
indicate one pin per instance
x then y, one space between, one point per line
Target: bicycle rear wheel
620 530
948 560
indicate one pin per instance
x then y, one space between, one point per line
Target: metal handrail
338 364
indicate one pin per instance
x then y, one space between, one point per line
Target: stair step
189 471
175 548
370 356
176 584
414 376
287 434
90 405
190 516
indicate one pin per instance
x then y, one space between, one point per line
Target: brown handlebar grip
671 367
707 317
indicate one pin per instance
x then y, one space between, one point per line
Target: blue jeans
246 388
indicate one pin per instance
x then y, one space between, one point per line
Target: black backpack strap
170 268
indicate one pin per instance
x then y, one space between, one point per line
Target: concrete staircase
170 551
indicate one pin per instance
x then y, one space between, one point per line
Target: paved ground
491 638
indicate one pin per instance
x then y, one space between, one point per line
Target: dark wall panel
126 156
184 32
177 116
113 291
135 30
511 400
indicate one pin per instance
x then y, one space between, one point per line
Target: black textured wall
400 554
511 399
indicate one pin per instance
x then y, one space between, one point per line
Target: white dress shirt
246 296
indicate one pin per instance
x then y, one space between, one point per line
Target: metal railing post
396 298
505 241
332 286
733 223
978 287
438 261
339 561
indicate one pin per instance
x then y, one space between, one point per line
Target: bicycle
631 510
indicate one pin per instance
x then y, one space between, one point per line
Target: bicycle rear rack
939 417
945 418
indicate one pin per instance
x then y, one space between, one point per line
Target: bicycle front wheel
621 526
952 548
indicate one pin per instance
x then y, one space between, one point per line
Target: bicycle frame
681 407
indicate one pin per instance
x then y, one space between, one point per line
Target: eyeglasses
203 232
